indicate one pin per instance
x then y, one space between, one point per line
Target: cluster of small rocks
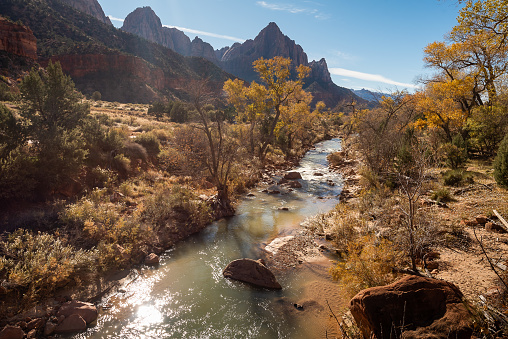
483 221
57 318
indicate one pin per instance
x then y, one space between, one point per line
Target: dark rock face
271 42
413 307
146 24
90 7
252 272
17 39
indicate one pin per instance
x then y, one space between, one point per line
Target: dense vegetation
85 191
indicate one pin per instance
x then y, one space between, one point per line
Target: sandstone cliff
90 7
146 24
17 39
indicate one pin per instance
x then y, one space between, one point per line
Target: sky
372 44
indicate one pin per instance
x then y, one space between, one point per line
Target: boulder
318 174
292 176
252 272
412 307
72 324
481 219
87 311
12 332
50 327
152 259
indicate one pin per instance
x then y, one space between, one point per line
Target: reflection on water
187 297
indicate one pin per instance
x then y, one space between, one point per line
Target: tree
382 129
221 151
262 105
11 132
55 112
501 164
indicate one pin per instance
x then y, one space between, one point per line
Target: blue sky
367 44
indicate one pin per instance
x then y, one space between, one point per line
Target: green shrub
441 195
455 152
457 177
121 164
150 142
96 96
501 164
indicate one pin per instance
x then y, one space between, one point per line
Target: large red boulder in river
412 307
252 272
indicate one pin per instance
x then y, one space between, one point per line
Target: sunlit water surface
186 296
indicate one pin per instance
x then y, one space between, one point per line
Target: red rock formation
78 66
412 307
17 39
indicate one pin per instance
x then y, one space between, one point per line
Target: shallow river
187 297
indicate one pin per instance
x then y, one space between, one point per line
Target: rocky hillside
17 39
90 7
145 23
238 58
99 57
18 49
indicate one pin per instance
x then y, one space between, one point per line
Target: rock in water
292 176
85 310
252 272
72 324
412 307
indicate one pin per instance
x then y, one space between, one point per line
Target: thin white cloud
368 77
202 33
291 8
115 19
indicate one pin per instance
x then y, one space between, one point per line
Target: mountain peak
90 7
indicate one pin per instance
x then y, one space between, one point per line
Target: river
186 296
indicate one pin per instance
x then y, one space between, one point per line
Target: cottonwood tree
262 105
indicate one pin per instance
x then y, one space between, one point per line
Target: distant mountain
99 57
90 7
370 95
145 23
271 42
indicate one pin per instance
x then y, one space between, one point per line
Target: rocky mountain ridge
100 57
145 23
90 7
238 58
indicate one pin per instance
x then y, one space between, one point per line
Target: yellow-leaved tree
272 104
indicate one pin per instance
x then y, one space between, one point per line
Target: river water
186 296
